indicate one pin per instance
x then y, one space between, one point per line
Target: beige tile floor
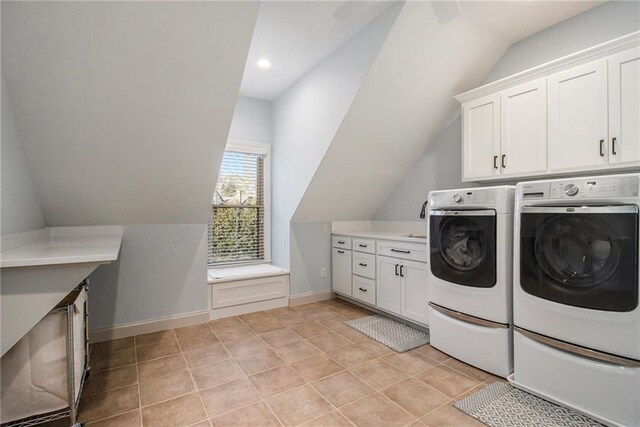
288 366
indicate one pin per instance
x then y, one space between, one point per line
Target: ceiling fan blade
349 10
446 10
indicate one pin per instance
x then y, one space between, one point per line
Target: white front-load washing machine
576 314
470 279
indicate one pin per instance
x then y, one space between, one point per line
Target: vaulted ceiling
432 52
124 107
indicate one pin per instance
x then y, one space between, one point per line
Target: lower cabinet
341 271
364 289
402 288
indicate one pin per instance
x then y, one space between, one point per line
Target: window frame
252 147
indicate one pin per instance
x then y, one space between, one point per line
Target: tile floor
288 366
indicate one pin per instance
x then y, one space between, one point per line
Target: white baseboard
148 326
310 297
236 310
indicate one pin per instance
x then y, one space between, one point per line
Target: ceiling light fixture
263 63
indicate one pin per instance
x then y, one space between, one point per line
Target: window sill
243 272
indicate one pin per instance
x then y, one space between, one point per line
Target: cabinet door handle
495 162
613 146
362 264
401 251
363 289
602 148
401 271
503 161
340 252
397 265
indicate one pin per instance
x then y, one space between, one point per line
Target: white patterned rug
395 335
501 405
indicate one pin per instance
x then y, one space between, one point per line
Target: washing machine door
583 256
463 246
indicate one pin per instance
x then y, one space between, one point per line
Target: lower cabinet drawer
364 265
364 289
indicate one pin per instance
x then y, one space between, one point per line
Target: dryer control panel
595 188
463 197
600 187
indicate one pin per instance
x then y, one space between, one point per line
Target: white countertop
61 245
384 235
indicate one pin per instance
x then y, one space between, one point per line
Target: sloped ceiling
407 99
124 107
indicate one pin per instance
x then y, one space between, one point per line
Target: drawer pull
341 242
340 252
362 246
362 264
402 251
363 289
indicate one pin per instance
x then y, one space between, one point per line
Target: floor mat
395 335
502 405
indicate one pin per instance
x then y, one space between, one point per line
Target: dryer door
463 247
583 256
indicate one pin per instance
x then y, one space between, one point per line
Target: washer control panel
595 188
464 197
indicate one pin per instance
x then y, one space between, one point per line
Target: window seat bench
247 288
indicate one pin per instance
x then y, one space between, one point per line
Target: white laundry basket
43 373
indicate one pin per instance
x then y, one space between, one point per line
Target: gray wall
252 120
162 269
440 166
306 118
20 207
310 251
161 272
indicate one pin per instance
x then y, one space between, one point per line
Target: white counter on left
61 245
40 267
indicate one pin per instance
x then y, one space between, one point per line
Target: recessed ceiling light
263 63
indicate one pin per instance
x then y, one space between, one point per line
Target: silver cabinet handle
602 148
362 264
362 289
340 252
613 145
401 251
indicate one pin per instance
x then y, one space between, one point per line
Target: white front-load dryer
576 290
470 275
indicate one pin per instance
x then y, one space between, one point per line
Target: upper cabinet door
624 107
481 124
578 117
524 129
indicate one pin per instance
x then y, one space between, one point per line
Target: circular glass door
578 251
462 245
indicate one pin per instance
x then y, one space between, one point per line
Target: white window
239 226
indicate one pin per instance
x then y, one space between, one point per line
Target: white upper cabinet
624 107
523 142
578 123
579 113
481 119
